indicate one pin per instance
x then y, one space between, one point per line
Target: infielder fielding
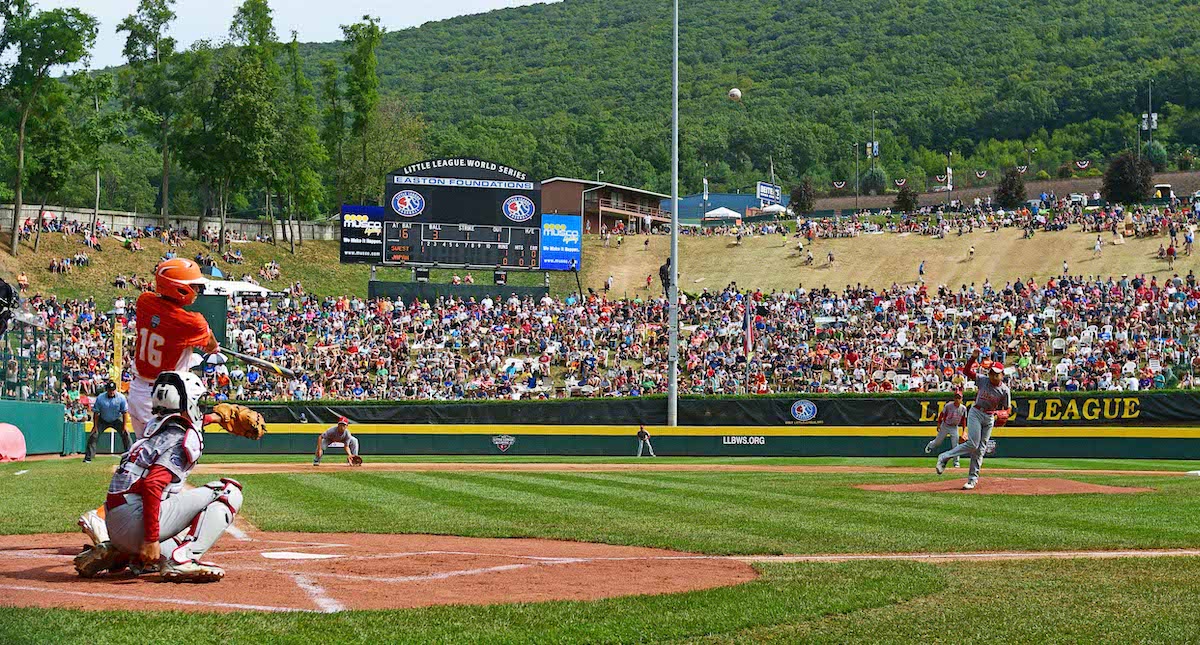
991 408
150 521
166 332
950 419
644 441
339 433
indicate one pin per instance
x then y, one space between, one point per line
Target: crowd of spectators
1067 333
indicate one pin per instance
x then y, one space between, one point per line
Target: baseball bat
254 360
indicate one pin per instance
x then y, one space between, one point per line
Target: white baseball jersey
172 443
953 415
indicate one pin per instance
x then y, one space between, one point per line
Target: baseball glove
355 460
240 420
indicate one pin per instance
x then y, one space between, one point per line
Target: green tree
803 197
907 200
43 42
362 82
393 139
55 149
234 133
154 83
874 181
253 29
96 123
333 128
1128 179
1157 154
1010 192
305 155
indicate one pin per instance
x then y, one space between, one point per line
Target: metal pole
856 177
673 291
1150 111
871 150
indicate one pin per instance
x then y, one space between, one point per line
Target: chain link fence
31 365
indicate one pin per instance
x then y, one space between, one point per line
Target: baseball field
618 550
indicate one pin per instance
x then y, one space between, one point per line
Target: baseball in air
735 94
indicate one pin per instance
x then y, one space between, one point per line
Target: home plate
293 555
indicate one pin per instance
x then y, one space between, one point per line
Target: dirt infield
336 572
304 466
1006 486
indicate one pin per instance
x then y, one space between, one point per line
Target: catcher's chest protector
172 443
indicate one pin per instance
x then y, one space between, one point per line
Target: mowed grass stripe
552 515
1007 522
674 517
356 502
851 521
777 523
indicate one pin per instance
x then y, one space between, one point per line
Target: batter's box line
441 575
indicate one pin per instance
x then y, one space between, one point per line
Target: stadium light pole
673 290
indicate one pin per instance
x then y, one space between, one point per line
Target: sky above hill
314 20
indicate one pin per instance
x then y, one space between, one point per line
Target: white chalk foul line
173 601
237 534
1016 555
320 597
20 472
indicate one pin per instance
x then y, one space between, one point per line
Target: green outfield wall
1099 425
41 423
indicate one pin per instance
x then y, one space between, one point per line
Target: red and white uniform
166 334
146 498
950 419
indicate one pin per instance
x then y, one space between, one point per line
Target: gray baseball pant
979 430
194 518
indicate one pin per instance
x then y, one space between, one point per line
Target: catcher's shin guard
208 525
92 524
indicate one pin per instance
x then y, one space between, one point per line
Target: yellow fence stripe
1160 432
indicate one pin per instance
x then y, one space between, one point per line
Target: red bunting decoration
839 185
1022 169
900 182
980 174
1082 164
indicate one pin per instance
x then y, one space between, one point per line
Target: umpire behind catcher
110 410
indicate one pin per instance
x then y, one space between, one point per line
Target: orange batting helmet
175 280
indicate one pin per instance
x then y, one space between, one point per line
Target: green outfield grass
1104 601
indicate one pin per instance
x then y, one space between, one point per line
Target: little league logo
804 410
408 203
518 208
504 442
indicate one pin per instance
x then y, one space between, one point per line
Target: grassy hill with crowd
762 262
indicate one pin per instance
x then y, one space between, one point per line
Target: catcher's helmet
176 279
178 392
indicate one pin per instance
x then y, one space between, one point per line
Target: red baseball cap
998 367
343 421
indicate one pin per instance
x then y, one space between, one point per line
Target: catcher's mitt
355 460
240 420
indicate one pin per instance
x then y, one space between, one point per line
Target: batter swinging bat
254 360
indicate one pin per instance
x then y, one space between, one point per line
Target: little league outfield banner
1123 424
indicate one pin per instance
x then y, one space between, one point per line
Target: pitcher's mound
1006 486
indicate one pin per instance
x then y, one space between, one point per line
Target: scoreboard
449 212
466 244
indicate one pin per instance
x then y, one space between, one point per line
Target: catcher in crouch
151 522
